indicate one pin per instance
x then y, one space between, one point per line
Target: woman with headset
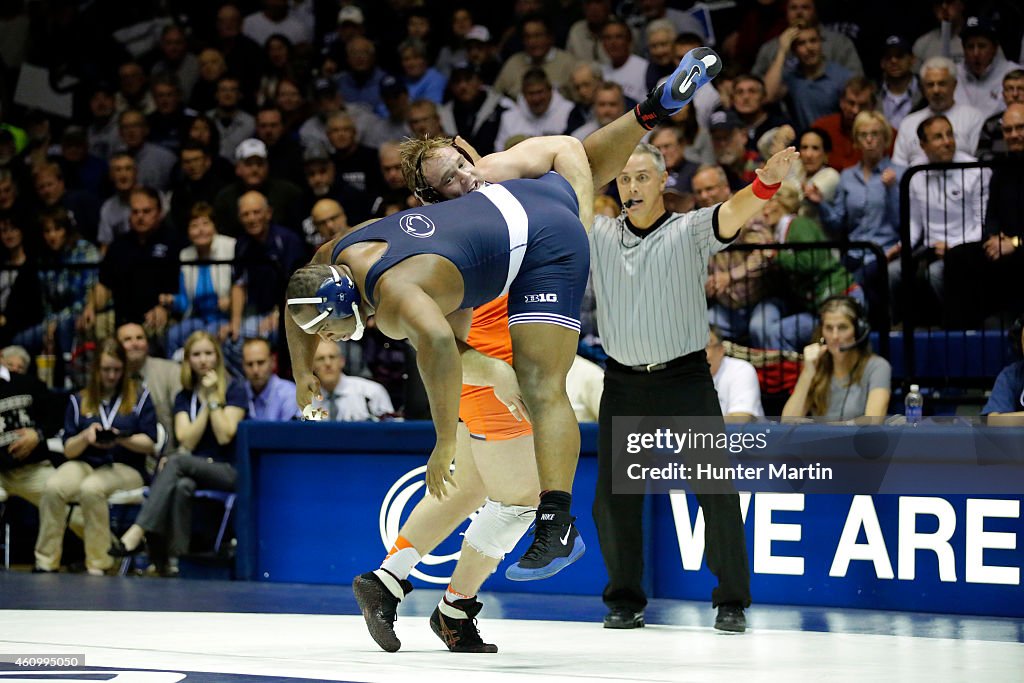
842 379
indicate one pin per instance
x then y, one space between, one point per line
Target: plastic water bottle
914 405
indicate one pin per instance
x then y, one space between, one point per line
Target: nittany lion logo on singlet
417 225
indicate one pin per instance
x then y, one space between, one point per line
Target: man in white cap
350 26
480 54
253 173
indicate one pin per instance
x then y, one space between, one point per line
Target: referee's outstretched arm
742 206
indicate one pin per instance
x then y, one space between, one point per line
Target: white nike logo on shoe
688 81
565 539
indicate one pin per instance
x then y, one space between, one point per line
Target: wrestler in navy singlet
523 237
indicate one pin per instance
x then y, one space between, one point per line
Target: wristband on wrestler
762 191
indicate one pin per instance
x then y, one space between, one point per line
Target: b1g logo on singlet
417 225
432 568
541 298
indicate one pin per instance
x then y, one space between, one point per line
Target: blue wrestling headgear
336 297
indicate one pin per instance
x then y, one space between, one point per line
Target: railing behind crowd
770 311
776 313
54 335
954 332
779 313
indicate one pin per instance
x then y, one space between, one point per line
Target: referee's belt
613 364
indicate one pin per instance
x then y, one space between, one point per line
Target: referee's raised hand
777 167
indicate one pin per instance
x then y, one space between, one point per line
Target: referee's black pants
684 390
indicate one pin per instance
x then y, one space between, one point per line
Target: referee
648 268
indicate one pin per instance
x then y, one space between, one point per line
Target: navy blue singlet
483 234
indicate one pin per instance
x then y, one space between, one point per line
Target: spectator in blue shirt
360 83
206 415
109 429
423 81
270 397
866 207
815 85
1006 404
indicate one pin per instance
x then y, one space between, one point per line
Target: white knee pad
497 528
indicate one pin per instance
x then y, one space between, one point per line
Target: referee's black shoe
556 545
455 624
623 618
731 618
379 605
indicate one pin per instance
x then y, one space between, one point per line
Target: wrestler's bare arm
302 348
531 158
405 311
607 150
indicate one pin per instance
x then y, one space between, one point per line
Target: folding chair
227 499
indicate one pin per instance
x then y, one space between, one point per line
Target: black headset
423 190
861 328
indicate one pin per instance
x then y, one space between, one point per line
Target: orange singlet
486 417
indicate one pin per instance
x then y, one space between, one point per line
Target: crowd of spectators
205 150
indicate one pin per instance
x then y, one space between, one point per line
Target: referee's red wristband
762 191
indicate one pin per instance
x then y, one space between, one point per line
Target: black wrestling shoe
731 618
455 624
379 606
556 545
623 618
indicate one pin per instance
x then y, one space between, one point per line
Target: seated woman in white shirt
204 291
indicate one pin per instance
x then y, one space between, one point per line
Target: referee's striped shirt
651 306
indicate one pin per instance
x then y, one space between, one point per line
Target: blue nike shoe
698 67
556 545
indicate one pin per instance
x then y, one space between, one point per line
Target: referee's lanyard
107 419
